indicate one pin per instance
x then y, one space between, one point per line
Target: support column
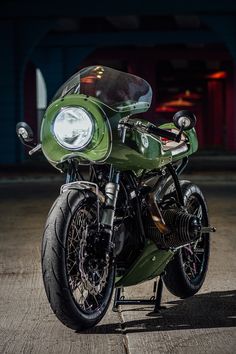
58 64
17 40
8 94
230 108
30 100
50 62
225 27
216 113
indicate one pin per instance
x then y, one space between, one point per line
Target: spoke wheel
87 272
78 275
186 273
194 255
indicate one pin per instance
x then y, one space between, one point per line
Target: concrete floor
202 324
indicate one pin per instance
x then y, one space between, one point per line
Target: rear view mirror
24 132
184 120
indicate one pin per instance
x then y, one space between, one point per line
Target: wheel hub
93 271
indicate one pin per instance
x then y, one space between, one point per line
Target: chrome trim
86 185
35 149
179 150
80 185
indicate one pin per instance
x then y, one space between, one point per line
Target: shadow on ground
210 310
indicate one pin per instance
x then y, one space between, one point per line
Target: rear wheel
78 274
186 273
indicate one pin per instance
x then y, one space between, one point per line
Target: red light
179 103
164 108
218 75
88 79
165 140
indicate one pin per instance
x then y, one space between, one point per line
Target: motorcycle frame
149 254
155 300
152 261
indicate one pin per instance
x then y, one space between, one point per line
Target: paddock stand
154 300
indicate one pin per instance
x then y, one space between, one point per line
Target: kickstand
155 300
158 297
116 299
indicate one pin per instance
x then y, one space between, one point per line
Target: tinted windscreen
116 89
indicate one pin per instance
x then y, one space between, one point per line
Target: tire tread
53 257
175 278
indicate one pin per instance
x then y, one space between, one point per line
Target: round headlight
73 128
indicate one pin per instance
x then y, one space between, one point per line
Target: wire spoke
85 277
197 258
193 255
188 266
199 250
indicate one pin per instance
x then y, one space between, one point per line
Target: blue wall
23 37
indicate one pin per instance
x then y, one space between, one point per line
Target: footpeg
206 229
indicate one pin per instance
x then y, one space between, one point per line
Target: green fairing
192 141
133 155
99 147
149 265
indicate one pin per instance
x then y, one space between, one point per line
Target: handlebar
152 129
163 133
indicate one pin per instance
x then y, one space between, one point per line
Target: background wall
185 49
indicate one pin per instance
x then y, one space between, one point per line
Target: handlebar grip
161 132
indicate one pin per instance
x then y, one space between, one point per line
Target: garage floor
202 324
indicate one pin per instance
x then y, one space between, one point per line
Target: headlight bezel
63 144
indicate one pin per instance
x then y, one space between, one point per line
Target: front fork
106 222
111 196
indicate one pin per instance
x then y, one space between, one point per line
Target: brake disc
90 285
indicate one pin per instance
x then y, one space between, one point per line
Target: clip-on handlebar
164 133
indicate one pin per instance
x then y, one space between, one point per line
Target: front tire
185 274
78 282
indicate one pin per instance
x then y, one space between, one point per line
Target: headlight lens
73 128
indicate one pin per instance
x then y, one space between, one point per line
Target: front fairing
107 95
98 149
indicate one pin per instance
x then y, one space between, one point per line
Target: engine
183 228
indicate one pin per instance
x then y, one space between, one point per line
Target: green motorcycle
123 216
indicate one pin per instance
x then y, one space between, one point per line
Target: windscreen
118 90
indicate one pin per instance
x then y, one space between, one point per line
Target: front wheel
78 275
186 273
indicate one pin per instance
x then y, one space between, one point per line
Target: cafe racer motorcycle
123 216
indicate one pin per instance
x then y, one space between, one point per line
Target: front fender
84 185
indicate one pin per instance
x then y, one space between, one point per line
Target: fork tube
177 184
70 176
111 196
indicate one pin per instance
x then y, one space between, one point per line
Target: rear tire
75 305
186 273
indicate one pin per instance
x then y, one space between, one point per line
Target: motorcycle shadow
210 310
